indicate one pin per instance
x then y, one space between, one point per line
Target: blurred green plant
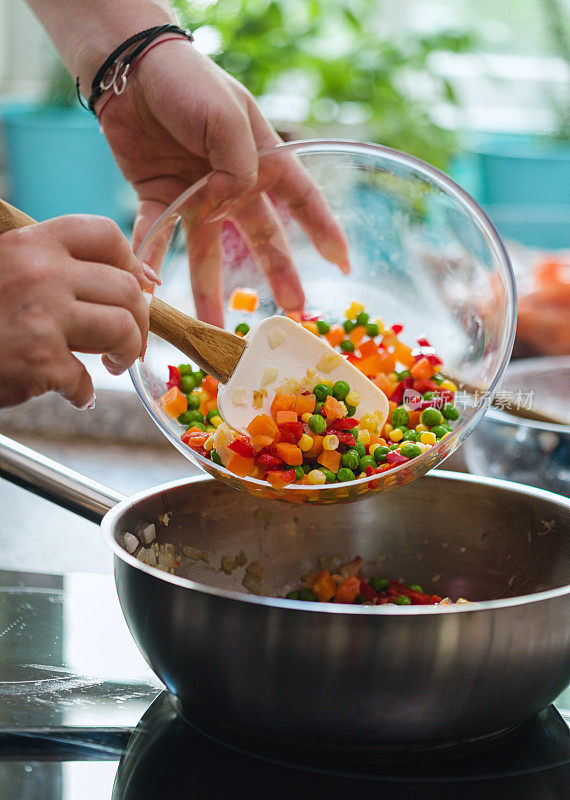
556 22
60 88
335 54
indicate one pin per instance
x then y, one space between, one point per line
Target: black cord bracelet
145 37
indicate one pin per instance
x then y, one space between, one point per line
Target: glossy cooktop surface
82 716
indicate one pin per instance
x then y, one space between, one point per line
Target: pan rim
108 523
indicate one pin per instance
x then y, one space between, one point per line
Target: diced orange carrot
357 335
263 425
372 365
240 465
282 402
244 300
368 348
174 402
389 339
384 384
282 417
403 354
324 586
414 419
275 478
305 404
310 326
211 404
422 369
330 459
260 441
333 409
194 437
335 336
348 590
317 446
294 315
211 385
289 453
391 406
375 439
387 362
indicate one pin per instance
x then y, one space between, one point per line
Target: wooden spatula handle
215 350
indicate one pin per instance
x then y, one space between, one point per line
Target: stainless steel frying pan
343 674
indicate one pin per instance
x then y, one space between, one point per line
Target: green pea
193 401
399 416
307 595
317 423
340 389
360 449
318 406
350 458
415 587
243 327
216 458
323 327
307 468
410 450
213 413
362 318
367 461
429 395
346 346
358 600
354 432
199 425
431 417
437 380
195 416
186 418
372 330
439 431
345 474
299 472
294 595
405 373
410 436
350 410
402 600
394 446
328 473
199 376
380 453
184 369
450 412
187 384
379 584
446 426
348 326
322 391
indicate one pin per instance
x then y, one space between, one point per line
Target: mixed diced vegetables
314 434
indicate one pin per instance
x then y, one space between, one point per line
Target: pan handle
65 487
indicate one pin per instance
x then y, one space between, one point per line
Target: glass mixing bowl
422 254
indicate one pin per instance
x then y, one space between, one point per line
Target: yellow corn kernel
369 421
209 444
396 435
216 421
352 398
373 448
330 442
353 309
305 442
449 385
380 323
445 435
210 429
327 383
343 404
306 416
421 428
437 367
388 429
364 436
427 437
393 377
316 477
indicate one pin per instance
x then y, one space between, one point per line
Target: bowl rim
110 519
496 247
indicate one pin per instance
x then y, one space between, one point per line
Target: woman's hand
70 284
182 117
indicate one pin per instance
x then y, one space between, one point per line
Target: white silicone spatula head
279 351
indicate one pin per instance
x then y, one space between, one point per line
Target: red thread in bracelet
133 65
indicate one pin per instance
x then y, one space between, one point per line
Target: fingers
263 232
147 214
205 259
105 329
90 238
74 383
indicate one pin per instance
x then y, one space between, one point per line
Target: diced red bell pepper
446 395
435 598
398 394
423 342
268 461
418 598
367 592
174 377
397 329
424 385
280 477
395 459
345 424
310 317
296 428
286 436
345 438
241 447
435 360
370 471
